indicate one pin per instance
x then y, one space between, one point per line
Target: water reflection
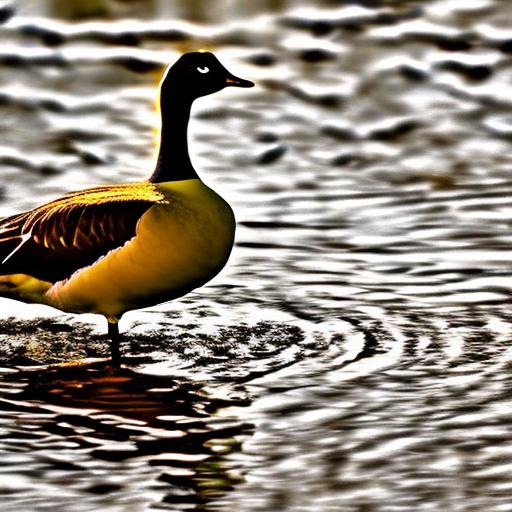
90 426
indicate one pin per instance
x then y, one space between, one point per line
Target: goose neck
173 162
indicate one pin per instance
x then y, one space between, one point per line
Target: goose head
198 74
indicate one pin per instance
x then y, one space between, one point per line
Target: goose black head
198 74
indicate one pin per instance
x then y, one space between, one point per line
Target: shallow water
354 354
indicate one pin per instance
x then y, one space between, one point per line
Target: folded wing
56 239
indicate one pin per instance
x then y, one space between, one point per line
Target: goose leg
115 338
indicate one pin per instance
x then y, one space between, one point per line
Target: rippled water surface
354 355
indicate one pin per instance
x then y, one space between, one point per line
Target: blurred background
354 354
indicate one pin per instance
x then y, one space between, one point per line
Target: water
354 354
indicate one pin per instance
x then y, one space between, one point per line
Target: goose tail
17 286
24 288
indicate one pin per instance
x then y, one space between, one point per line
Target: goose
115 248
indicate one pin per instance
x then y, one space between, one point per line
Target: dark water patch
267 137
395 130
78 134
290 225
137 64
413 73
455 44
343 159
262 59
28 165
47 36
89 158
7 11
34 59
55 104
471 72
339 133
225 112
271 155
47 342
324 99
506 46
315 55
388 130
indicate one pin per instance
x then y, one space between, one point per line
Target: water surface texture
354 355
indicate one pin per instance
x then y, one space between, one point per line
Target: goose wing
56 239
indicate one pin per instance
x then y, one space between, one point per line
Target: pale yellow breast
178 246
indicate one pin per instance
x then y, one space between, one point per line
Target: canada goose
115 248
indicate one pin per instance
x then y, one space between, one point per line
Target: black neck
173 162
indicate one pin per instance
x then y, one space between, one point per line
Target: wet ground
354 355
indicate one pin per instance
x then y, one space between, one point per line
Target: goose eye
203 70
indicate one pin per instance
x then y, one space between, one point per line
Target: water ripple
354 354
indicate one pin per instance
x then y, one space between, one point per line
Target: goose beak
234 81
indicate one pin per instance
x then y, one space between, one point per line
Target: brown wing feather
56 239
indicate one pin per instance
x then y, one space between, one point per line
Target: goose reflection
118 415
